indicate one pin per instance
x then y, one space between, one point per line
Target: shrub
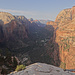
4 71
63 65
20 67
67 46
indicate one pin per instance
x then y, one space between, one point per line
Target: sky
36 9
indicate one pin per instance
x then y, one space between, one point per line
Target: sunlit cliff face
65 37
64 26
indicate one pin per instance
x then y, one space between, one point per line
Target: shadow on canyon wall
49 51
43 47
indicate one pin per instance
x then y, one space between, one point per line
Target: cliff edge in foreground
42 69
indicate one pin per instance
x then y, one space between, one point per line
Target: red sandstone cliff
65 37
54 24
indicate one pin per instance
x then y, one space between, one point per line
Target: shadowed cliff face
1 33
49 52
53 47
13 30
2 37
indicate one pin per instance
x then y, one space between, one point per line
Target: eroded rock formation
6 17
54 24
65 37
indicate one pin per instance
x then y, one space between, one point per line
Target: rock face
16 27
54 24
63 16
17 24
1 33
65 37
42 69
6 17
13 29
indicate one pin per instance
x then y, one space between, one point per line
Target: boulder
42 69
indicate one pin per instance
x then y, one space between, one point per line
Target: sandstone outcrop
63 16
54 24
65 37
42 69
6 17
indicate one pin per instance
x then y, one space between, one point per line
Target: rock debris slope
42 69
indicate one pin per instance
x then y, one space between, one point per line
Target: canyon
32 41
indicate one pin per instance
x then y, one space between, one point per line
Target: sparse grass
20 67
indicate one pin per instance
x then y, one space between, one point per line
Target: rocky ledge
42 69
